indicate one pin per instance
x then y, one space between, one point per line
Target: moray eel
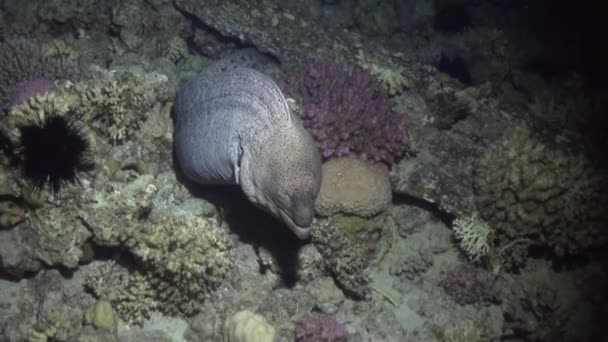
233 126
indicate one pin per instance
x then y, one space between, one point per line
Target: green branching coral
528 191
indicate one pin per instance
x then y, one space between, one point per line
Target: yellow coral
246 326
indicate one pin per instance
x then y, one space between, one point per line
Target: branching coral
394 79
349 113
180 259
474 234
120 103
116 102
187 258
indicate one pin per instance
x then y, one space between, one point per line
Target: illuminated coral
349 113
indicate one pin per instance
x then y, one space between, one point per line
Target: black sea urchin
53 149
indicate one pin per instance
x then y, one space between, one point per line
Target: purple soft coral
349 113
466 284
28 89
320 328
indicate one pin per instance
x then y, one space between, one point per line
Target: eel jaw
301 232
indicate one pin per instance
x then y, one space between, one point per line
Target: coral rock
355 187
246 326
320 329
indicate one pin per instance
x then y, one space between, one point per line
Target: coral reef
348 244
180 259
21 59
467 284
28 89
131 251
58 48
542 308
119 102
474 234
394 79
53 148
246 326
130 294
176 49
354 187
320 328
101 316
115 102
412 267
186 257
376 18
471 332
349 113
45 311
529 191
448 107
47 236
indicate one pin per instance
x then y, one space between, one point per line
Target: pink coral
466 284
320 328
349 113
27 89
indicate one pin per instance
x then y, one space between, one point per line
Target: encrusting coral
349 113
529 191
348 244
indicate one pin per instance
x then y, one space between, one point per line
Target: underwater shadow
252 225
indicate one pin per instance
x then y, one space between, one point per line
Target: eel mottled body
233 126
